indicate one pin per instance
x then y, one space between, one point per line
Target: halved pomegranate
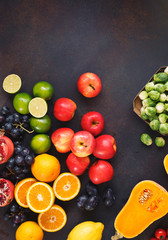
6 192
6 149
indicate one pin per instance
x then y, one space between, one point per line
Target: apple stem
117 236
92 86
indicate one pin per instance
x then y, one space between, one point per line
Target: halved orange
53 220
21 191
40 197
66 186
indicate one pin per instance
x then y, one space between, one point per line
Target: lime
40 143
12 83
38 107
40 125
44 90
21 102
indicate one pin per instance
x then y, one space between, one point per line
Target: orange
66 186
21 191
29 230
165 162
53 220
40 197
45 168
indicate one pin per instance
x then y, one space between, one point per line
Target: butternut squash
148 202
165 162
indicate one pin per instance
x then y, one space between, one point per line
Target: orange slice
40 197
66 186
21 191
53 220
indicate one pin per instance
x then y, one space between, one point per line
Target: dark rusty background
124 43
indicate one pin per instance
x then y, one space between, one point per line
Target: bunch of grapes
19 165
13 124
16 214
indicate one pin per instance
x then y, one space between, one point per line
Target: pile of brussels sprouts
155 102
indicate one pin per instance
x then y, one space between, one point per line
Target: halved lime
40 125
12 83
43 89
38 107
40 143
21 102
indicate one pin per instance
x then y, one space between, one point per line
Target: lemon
12 83
87 230
38 107
29 230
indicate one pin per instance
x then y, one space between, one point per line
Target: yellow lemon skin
87 231
29 230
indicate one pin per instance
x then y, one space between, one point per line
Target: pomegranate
6 149
6 192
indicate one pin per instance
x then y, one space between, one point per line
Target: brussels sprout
148 103
163 128
143 115
149 86
166 85
143 95
146 139
159 141
160 107
153 118
154 125
150 111
166 107
161 77
163 97
162 118
160 87
154 95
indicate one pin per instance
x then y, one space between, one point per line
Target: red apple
61 139
93 122
89 85
64 109
82 144
105 147
100 172
77 165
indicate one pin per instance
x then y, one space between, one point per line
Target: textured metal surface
124 43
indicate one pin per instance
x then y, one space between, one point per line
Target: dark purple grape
14 225
81 201
19 159
25 119
20 176
8 126
91 189
15 132
5 110
29 159
16 117
16 219
6 216
14 208
18 149
16 143
17 170
10 163
26 170
2 118
92 203
9 119
23 218
25 152
108 197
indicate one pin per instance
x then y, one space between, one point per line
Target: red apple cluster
83 143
